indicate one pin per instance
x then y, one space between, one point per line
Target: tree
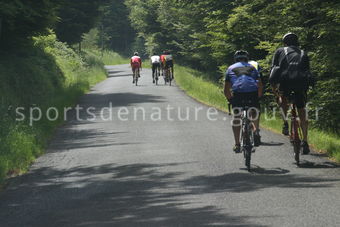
76 18
21 19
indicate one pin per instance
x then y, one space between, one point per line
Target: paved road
169 172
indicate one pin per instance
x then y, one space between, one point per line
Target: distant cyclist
290 74
243 87
136 64
156 65
167 62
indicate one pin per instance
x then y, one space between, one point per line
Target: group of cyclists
159 63
290 79
244 87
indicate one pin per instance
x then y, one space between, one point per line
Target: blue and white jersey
243 77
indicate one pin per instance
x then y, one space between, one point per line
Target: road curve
165 170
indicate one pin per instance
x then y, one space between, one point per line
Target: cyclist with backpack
167 62
136 64
243 88
290 75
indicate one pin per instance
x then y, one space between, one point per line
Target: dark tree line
70 19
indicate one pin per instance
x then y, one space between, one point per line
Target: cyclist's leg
236 122
301 100
283 103
159 68
133 73
171 66
153 70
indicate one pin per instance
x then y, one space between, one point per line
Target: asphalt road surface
150 166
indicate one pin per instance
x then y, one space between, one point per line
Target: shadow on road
110 195
74 138
245 182
109 75
271 144
313 165
275 171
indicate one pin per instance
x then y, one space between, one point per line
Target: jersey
136 62
243 77
283 60
155 59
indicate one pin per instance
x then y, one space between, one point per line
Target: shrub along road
172 172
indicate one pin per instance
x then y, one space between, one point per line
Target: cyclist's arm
227 86
227 90
275 60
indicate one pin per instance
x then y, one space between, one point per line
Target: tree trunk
79 48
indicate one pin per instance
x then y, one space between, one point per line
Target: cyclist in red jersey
136 63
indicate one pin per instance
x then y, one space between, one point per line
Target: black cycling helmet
290 39
136 54
241 55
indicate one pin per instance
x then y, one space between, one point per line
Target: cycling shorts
156 65
300 97
135 65
249 99
168 64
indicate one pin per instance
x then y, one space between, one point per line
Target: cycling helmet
290 39
241 55
136 54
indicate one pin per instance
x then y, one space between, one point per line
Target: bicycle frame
167 75
246 136
294 133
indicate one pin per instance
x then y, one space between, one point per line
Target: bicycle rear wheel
297 147
156 76
136 77
248 157
295 138
246 145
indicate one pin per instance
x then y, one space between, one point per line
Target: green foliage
50 75
204 34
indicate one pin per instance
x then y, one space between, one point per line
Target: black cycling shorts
169 64
300 97
246 99
155 66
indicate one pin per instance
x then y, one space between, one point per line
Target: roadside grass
194 84
107 57
209 93
46 73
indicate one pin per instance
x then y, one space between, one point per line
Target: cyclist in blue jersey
243 87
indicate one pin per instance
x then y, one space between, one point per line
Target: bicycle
295 130
167 75
247 136
156 74
136 75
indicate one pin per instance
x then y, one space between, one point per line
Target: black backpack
295 76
